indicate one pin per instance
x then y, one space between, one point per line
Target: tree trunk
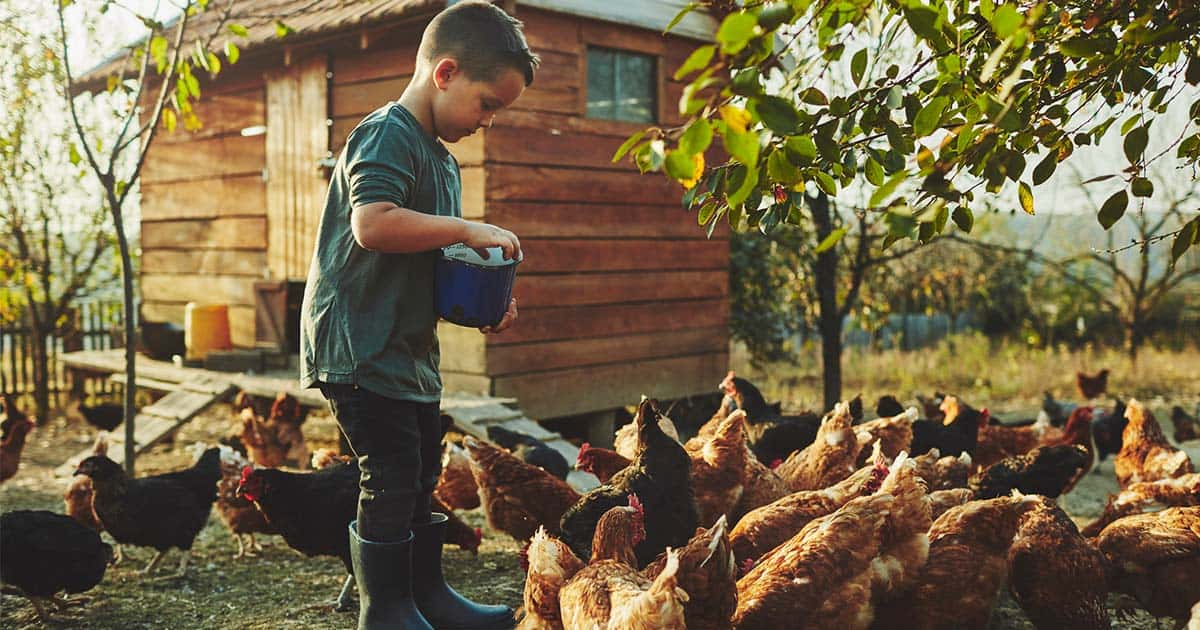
41 373
130 345
830 321
1136 337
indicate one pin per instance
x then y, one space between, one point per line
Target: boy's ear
445 71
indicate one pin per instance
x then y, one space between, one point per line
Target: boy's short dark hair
482 38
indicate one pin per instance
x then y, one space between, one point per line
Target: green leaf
1113 209
778 114
1142 187
697 138
158 52
1135 144
963 218
924 22
743 146
1045 168
739 195
214 64
679 165
826 183
736 31
691 6
900 225
239 30
774 14
1187 236
813 96
1026 196
781 170
1006 20
75 157
874 172
231 52
831 240
283 30
882 193
168 120
801 149
930 115
627 145
695 61
858 66
706 212
1087 46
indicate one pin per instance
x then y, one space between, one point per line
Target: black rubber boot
382 571
444 608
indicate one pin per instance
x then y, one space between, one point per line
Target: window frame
623 39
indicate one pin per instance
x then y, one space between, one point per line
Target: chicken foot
158 556
244 550
183 565
344 602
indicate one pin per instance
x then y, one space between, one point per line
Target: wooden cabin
620 294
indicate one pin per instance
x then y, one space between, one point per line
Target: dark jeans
398 444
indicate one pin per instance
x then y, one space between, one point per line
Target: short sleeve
380 165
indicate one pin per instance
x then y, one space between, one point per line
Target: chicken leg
344 602
158 556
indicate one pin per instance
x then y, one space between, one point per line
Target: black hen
772 436
660 476
312 511
105 416
888 407
161 511
1107 428
1058 411
530 450
43 553
954 439
1048 471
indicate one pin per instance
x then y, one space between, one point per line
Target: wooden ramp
158 421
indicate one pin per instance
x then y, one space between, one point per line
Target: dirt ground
281 589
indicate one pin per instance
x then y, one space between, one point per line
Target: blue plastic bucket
473 291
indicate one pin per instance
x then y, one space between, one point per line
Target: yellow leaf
697 171
736 117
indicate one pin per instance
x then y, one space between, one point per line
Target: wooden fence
94 325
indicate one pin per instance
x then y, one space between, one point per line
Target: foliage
949 96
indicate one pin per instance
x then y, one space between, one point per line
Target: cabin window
621 85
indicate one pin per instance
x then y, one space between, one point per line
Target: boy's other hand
480 236
509 317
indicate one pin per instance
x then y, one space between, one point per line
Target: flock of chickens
916 519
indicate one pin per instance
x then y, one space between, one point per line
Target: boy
368 324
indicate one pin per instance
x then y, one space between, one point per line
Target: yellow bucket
205 328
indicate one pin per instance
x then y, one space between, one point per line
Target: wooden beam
577 322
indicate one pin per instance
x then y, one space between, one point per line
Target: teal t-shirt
368 317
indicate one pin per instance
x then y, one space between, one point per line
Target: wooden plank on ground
526 426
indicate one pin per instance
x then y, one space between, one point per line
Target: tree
54 227
953 96
159 93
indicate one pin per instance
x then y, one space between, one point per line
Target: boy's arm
384 226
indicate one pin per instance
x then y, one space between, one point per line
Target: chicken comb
636 504
583 448
746 566
246 472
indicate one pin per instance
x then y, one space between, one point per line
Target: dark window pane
621 85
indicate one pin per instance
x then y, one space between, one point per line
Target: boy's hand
509 318
480 236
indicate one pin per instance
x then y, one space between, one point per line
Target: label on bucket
465 254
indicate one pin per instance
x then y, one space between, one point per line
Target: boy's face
462 106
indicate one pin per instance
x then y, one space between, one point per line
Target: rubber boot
444 608
384 577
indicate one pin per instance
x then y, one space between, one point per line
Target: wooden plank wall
297 138
203 203
621 293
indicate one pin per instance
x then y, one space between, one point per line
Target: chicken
904 543
1194 622
1078 431
161 511
1146 455
941 501
326 457
660 476
888 406
77 500
456 486
549 564
829 459
1186 427
240 516
819 578
1092 385
43 554
943 473
894 432
1049 471
771 434
952 433
996 442
931 407
105 416
517 497
626 440
16 428
760 486
968 562
769 526
530 450
610 592
1175 492
277 440
719 469
1107 429
1057 411
312 511
1156 558
601 462
1054 574
708 575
